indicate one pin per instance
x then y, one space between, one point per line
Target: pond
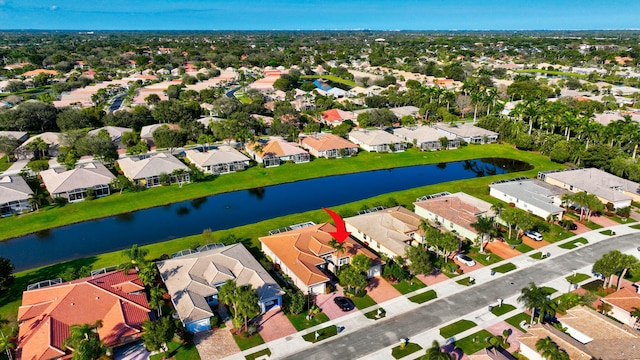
233 209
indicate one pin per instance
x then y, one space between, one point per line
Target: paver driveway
380 290
274 324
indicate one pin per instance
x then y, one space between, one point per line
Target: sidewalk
482 317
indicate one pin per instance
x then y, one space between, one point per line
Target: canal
233 209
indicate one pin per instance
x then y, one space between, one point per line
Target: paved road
388 332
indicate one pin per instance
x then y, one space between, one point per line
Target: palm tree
484 225
156 298
339 248
38 199
549 350
435 353
85 342
7 345
636 314
533 298
135 255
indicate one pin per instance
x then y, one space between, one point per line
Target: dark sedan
345 304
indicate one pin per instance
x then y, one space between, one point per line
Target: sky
319 14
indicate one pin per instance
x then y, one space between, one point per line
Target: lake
233 209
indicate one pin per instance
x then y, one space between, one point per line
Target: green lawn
573 243
249 342
363 302
637 227
607 232
300 321
578 278
456 328
484 259
524 248
322 334
50 217
552 72
591 225
549 290
501 310
259 354
331 78
517 319
556 233
424 297
4 165
373 314
464 281
504 268
405 287
537 256
474 342
398 352
179 351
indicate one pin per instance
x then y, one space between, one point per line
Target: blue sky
319 14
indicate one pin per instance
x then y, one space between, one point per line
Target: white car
465 259
533 235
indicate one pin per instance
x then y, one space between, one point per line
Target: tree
7 345
352 280
164 137
435 353
297 302
248 303
419 260
361 263
534 298
38 146
6 273
340 248
7 146
148 272
38 199
226 295
158 333
484 225
156 298
121 183
607 266
84 341
135 255
549 350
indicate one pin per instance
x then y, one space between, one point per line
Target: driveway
435 277
502 249
380 290
603 221
325 302
274 324
534 244
216 344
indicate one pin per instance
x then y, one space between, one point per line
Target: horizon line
316 30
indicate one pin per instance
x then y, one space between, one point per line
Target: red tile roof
47 314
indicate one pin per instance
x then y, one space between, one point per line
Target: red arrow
341 232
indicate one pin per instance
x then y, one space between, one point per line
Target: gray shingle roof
13 188
135 168
222 155
84 176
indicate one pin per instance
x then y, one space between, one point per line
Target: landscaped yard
300 321
322 334
4 165
377 314
258 354
331 78
537 256
551 72
456 328
179 351
466 281
577 278
399 352
424 297
474 342
523 248
245 343
501 310
573 243
504 268
517 319
363 302
556 233
484 259
405 287
607 232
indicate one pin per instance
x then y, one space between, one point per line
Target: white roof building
222 160
73 184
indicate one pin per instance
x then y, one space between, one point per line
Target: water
233 209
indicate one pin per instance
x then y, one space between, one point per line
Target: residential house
277 151
388 231
531 195
115 134
146 170
403 111
14 195
607 187
47 313
146 133
588 335
329 146
304 255
336 117
454 212
471 134
623 302
52 139
73 185
427 138
221 160
194 281
376 140
20 136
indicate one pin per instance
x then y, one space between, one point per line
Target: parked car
345 304
465 259
534 235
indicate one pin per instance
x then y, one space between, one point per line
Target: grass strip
300 321
424 297
504 268
573 243
322 334
474 342
456 328
255 355
501 310
409 286
245 343
399 352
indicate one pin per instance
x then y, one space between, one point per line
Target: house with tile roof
376 140
589 335
52 139
454 212
531 195
304 254
74 184
389 231
470 133
427 138
222 160
277 151
335 117
14 195
607 187
328 146
194 280
403 111
115 134
47 313
146 170
623 302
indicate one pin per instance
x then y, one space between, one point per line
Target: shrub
214 321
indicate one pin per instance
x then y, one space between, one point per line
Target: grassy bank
51 217
552 72
249 234
331 78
